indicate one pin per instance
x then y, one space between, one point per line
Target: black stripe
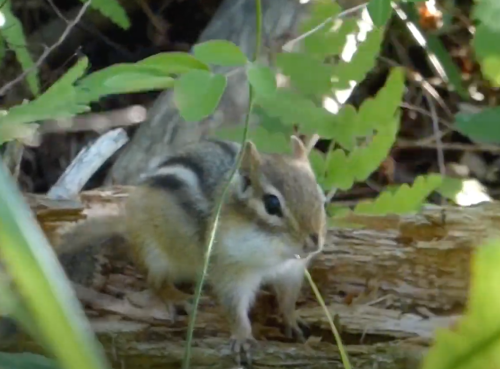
166 181
186 162
226 147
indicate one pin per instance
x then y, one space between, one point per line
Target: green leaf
474 341
330 41
488 13
325 41
292 108
345 169
487 51
59 101
453 73
264 140
197 94
272 124
262 79
380 11
403 200
173 63
220 52
26 360
349 125
31 262
113 10
480 127
310 75
362 62
12 32
122 78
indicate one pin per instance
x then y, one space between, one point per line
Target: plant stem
343 354
189 339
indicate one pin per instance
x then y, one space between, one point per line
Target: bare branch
86 163
47 51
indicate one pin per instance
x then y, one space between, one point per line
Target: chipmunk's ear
298 148
251 158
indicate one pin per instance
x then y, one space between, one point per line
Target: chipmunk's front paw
297 329
244 345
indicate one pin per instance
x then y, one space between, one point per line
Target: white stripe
186 175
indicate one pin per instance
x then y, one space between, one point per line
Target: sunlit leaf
262 79
219 52
403 200
197 94
308 74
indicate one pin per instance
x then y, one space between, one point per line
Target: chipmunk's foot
297 329
243 345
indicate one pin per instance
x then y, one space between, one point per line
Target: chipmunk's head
284 198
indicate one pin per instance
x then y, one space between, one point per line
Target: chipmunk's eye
272 204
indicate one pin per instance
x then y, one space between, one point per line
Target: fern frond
403 200
59 101
362 62
13 34
113 10
343 170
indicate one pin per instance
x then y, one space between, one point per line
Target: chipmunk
271 225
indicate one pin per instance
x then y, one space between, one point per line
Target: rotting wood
411 261
127 345
397 279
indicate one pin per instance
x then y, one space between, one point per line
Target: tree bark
165 129
389 284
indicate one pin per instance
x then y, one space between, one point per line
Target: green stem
343 353
199 286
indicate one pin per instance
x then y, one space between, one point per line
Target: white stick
86 163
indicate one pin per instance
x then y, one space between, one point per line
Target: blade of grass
49 298
343 353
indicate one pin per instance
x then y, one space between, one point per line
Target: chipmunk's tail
91 232
78 253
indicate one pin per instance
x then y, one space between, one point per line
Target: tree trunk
165 129
389 284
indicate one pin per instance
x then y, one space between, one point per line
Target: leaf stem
189 339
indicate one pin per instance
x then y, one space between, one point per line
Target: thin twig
419 79
47 51
57 11
289 45
406 144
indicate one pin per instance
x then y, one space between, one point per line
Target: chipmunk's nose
312 244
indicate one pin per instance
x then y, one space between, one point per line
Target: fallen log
390 284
